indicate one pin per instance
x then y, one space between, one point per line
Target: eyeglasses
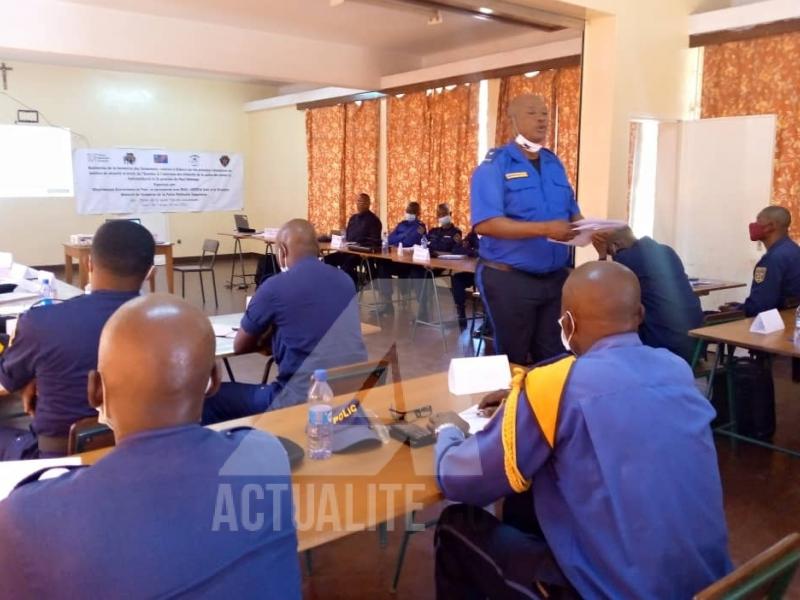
411 415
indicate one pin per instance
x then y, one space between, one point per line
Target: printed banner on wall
137 181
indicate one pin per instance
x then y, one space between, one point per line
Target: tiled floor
762 487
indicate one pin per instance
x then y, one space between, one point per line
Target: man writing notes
175 510
616 449
309 315
521 201
56 346
671 308
363 228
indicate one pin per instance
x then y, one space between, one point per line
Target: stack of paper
478 375
588 227
224 331
474 418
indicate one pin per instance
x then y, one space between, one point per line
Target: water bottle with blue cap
320 412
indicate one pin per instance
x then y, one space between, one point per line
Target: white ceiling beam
94 33
299 98
743 17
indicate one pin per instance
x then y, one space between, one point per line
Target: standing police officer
521 200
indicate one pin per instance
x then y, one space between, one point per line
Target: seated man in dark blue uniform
671 308
448 239
363 228
616 449
776 278
55 346
408 232
310 314
175 510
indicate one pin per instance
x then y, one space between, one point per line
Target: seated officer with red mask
616 449
776 278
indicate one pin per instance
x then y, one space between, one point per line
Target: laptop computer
242 224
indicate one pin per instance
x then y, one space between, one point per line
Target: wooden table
81 252
736 334
703 287
354 492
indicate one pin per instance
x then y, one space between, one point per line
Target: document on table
14 471
474 418
588 227
478 375
223 331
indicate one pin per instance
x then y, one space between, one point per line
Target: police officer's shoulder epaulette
36 476
490 155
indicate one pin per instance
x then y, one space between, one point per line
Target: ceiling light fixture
485 10
531 74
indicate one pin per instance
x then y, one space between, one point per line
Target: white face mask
102 416
564 339
527 144
445 221
410 217
282 263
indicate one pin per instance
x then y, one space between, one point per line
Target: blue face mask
410 217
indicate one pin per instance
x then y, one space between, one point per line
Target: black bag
267 267
754 398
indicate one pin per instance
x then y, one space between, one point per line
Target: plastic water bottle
797 327
424 242
400 248
320 411
47 292
384 243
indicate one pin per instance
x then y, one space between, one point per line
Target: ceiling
386 28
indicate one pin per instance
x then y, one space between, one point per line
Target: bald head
155 365
296 240
530 117
611 241
603 299
778 216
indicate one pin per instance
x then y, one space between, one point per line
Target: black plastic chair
87 434
205 265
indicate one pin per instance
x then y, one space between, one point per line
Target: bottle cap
320 375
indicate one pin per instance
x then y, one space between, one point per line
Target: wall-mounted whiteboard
724 178
35 162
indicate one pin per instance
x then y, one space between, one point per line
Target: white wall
113 109
276 174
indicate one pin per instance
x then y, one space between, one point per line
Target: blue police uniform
407 233
314 312
776 278
616 449
177 512
57 346
521 280
449 240
671 308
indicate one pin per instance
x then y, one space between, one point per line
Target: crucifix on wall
5 69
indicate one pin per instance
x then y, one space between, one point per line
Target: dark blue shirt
57 346
407 233
364 228
314 310
505 184
776 278
671 308
178 512
445 239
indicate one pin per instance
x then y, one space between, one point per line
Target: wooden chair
205 265
766 576
87 434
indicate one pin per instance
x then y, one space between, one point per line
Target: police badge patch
760 274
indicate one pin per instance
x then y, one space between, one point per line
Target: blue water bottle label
319 414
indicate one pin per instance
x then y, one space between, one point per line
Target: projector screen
35 162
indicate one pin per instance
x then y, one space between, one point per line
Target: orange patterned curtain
342 144
561 88
762 76
432 150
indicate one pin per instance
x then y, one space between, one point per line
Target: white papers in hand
768 321
474 419
478 375
14 471
588 227
224 331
